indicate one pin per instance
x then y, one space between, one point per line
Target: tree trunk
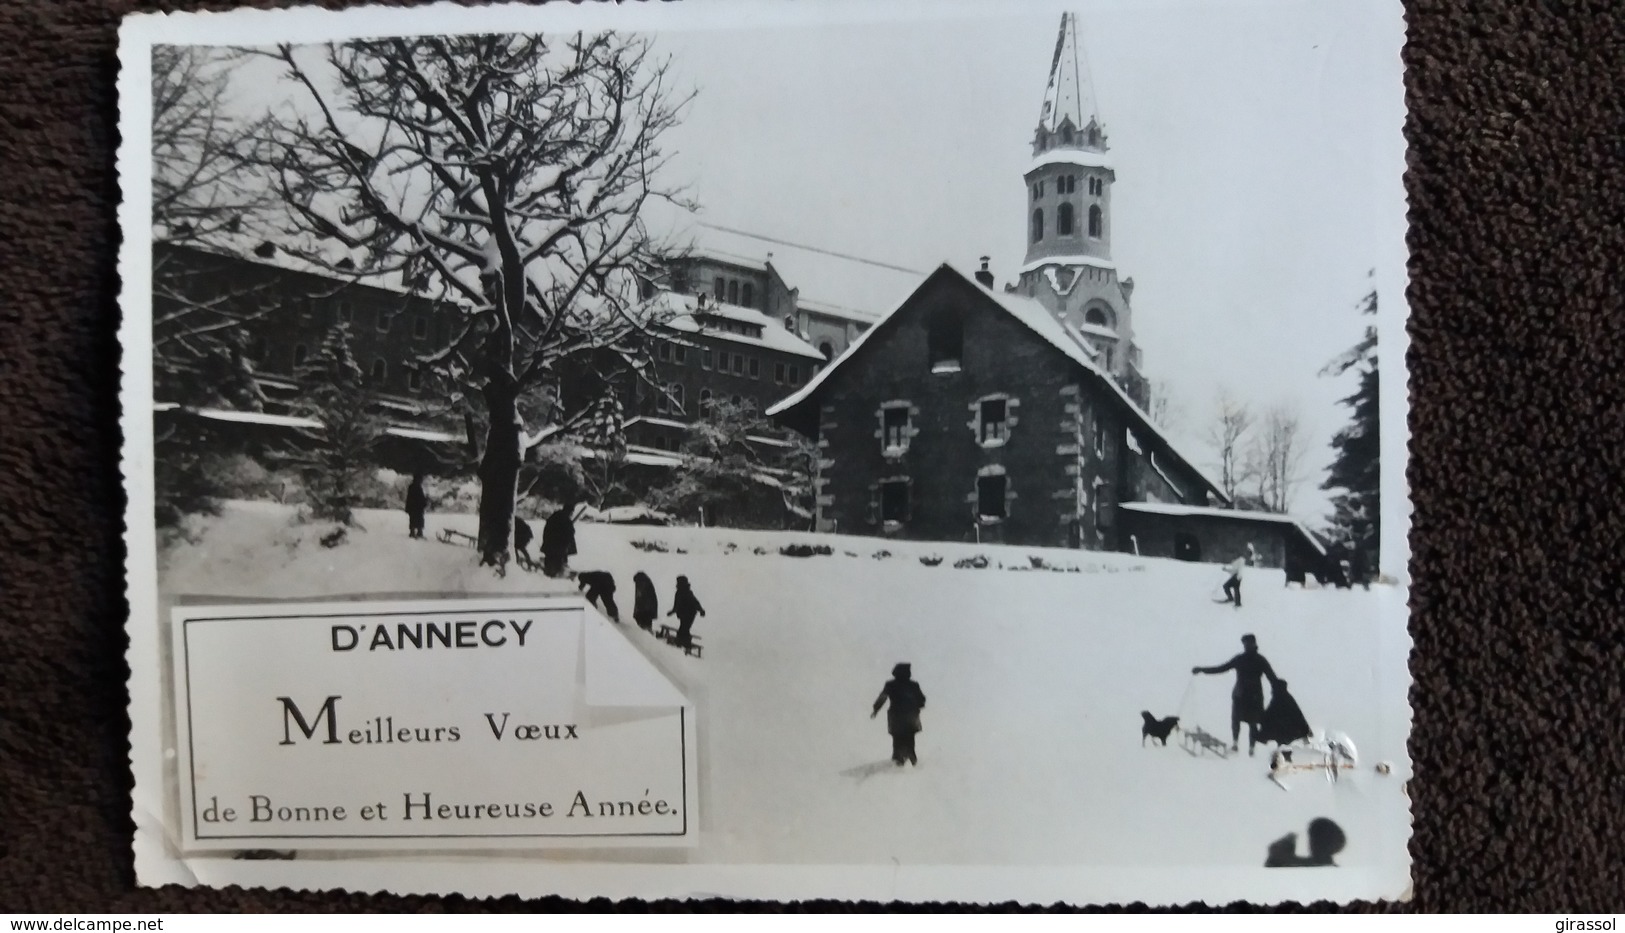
499 471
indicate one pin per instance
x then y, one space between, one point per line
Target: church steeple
1069 264
1069 99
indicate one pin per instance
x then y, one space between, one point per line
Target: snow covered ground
1031 752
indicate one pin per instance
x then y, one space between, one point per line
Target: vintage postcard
894 451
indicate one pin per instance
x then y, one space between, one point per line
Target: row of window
673 401
734 291
892 503
1068 184
995 416
725 361
1064 222
378 372
344 313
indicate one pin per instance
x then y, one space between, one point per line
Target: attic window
1038 225
720 288
946 341
1066 135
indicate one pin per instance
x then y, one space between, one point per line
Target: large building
1017 415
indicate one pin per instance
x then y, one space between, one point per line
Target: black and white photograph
922 452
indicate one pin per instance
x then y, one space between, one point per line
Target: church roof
1040 321
1070 92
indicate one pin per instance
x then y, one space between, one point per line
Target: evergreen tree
334 457
1357 509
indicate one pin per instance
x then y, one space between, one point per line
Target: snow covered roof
1083 158
1167 508
261 252
1070 93
682 310
825 281
416 434
1040 321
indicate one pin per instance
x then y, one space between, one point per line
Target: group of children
599 587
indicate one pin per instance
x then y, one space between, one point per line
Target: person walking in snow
903 717
559 539
1247 698
645 602
685 606
1232 586
416 504
600 586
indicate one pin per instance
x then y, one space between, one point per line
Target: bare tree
1275 457
506 174
204 195
1165 412
1228 434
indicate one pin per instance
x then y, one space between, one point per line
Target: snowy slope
1035 679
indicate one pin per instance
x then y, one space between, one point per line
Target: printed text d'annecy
404 636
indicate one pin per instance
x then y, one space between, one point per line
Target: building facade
973 415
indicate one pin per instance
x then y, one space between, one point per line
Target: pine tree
1356 468
333 459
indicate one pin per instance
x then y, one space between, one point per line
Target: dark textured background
1517 162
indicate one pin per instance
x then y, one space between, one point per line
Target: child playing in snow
685 606
903 718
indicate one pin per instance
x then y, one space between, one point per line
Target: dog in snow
1155 728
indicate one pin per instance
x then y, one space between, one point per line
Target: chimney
984 276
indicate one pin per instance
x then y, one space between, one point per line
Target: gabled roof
1037 319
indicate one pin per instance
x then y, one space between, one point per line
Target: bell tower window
1094 221
1063 220
1038 225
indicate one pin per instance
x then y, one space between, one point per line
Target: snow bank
1031 752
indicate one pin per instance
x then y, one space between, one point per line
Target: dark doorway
1186 547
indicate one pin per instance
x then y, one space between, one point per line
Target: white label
467 723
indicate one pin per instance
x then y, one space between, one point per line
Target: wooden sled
448 536
668 635
1198 742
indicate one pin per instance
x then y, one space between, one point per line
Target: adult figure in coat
903 716
559 539
417 503
1247 698
645 602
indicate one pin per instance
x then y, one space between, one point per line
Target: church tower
1069 266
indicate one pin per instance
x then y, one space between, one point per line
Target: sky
1254 146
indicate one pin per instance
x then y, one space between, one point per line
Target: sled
448 536
1332 755
668 635
1198 742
